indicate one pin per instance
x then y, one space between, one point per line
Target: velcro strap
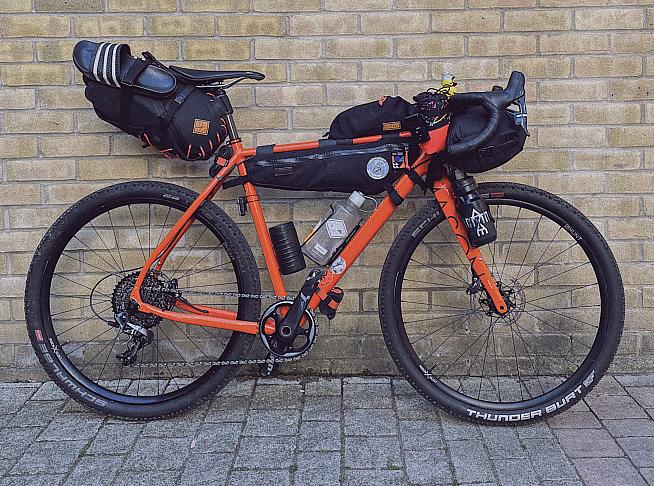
413 175
396 199
171 109
126 89
235 181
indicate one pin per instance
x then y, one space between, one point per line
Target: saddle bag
144 98
383 116
507 141
370 168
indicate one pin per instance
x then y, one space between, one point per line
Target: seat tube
231 127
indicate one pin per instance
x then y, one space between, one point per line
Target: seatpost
231 127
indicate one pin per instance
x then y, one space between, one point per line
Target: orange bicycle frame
225 319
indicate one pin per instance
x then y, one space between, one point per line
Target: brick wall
590 71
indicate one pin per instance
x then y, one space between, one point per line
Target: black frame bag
340 167
144 98
379 117
507 141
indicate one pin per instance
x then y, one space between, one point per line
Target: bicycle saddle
201 76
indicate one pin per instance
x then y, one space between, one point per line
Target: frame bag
144 98
370 168
385 115
507 141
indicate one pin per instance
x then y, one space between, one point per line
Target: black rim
165 378
535 379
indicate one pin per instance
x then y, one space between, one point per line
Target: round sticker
377 168
339 265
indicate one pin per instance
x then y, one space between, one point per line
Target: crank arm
288 327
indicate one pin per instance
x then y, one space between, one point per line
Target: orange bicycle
144 298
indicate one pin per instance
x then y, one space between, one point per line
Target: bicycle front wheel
81 277
563 328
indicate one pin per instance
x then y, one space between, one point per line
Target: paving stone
608 385
14 395
615 407
574 420
115 438
588 443
415 407
49 391
38 480
648 474
630 427
72 406
185 425
322 408
367 380
428 467
563 482
264 453
149 478
237 388
318 469
323 387
35 414
636 380
5 465
272 422
639 449
229 409
403 387
277 396
257 478
155 454
548 459
643 395
503 443
94 470
512 472
608 472
14 441
72 427
456 429
421 435
370 422
367 395
47 457
372 452
364 477
320 436
216 438
470 460
535 430
206 469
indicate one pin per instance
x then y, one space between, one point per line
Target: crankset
278 344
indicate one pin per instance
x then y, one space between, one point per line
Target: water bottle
474 210
334 229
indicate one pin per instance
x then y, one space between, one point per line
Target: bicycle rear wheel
566 313
81 277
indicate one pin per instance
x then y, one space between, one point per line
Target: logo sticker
336 228
339 265
377 168
396 125
200 127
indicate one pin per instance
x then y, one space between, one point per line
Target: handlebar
494 102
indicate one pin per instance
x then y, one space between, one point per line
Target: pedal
329 305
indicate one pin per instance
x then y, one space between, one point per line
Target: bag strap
127 81
171 109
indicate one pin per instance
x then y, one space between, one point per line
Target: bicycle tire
479 410
39 317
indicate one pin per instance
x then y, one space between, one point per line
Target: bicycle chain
236 362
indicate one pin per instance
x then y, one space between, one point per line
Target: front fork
444 194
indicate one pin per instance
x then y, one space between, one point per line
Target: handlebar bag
384 116
507 141
144 98
338 166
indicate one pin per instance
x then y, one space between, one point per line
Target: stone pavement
354 431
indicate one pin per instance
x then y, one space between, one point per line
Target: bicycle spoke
113 228
138 238
439 271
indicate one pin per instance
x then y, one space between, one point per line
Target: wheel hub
514 296
155 291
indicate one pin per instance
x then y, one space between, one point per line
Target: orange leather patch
200 127
396 125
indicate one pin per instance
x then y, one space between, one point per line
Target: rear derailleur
139 337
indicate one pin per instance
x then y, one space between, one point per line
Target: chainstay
234 362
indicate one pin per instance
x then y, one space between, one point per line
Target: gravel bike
144 298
